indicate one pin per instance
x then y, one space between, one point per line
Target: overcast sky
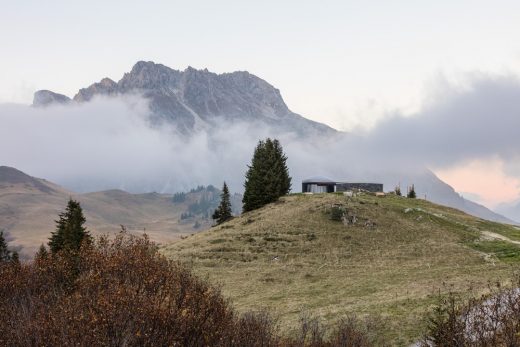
345 63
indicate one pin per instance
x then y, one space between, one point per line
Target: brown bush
492 320
121 292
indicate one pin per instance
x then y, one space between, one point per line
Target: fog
109 143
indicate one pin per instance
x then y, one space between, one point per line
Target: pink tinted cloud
483 178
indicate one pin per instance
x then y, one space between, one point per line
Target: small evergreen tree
70 232
223 212
15 258
267 177
42 252
5 254
411 192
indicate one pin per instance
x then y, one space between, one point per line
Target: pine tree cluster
223 212
70 232
267 177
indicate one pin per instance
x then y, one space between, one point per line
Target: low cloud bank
108 143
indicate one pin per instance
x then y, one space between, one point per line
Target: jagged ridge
193 99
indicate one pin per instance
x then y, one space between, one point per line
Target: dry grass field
393 262
29 207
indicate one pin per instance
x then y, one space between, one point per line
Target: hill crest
389 258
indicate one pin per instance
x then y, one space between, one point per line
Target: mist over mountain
29 207
194 100
159 129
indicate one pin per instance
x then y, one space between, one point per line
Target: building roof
319 179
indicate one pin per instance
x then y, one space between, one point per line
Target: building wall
317 188
370 187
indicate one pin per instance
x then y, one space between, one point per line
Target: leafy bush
337 213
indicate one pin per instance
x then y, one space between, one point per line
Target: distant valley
200 105
29 207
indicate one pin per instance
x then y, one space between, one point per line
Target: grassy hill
29 207
392 261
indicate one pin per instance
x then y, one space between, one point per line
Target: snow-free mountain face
510 210
198 100
46 97
193 99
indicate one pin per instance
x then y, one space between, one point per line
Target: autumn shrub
122 292
491 320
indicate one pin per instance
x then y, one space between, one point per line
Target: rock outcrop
46 97
193 99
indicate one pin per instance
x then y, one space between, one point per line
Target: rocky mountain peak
147 75
194 99
104 87
46 97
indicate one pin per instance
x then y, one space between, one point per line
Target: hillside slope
200 102
290 256
29 207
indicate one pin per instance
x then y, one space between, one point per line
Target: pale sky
344 63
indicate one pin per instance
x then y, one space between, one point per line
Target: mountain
510 210
29 207
389 258
46 97
430 187
194 99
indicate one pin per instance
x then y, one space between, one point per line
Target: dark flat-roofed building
320 184
369 187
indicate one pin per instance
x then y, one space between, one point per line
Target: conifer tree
15 258
283 180
223 212
411 192
42 252
70 232
5 254
267 177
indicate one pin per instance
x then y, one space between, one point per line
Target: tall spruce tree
283 180
267 178
5 254
223 212
70 232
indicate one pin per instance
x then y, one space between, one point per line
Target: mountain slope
29 206
290 256
194 99
510 210
429 186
